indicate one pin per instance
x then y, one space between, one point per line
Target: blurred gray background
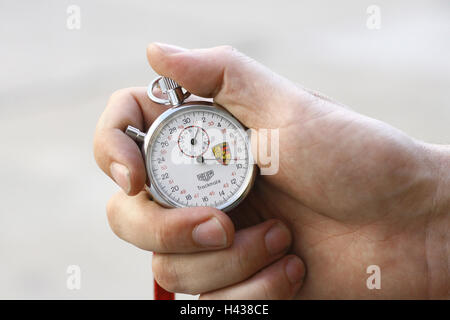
54 83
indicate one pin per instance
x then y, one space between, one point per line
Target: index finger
117 154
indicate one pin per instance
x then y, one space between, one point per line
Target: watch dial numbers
199 158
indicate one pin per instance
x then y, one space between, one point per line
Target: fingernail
277 239
168 48
295 270
121 176
210 234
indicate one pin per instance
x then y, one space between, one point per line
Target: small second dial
193 141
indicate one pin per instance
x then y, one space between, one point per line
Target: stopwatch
196 153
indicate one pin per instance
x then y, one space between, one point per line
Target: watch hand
201 159
230 159
193 140
196 132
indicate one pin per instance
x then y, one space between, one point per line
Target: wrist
440 156
437 237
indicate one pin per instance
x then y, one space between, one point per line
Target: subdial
193 141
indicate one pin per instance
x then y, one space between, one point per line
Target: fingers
252 249
242 85
116 154
280 280
152 227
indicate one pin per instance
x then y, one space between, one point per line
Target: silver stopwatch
195 153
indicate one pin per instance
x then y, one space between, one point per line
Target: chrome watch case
176 100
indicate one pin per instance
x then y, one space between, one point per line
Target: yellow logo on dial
222 153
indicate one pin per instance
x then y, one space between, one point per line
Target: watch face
199 155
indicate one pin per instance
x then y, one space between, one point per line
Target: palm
331 200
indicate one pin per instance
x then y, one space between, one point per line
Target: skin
350 192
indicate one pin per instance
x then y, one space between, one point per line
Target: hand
353 191
198 249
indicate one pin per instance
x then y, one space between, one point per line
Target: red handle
161 294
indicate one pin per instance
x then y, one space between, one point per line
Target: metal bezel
159 123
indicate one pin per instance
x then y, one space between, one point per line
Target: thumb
255 95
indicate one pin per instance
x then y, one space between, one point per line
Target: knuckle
235 64
227 49
119 94
267 290
99 147
232 53
112 214
163 235
118 97
166 274
241 260
96 146
275 284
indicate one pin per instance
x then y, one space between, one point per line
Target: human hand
354 191
198 249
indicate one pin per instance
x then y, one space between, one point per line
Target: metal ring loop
152 97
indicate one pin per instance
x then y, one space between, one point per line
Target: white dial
199 156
